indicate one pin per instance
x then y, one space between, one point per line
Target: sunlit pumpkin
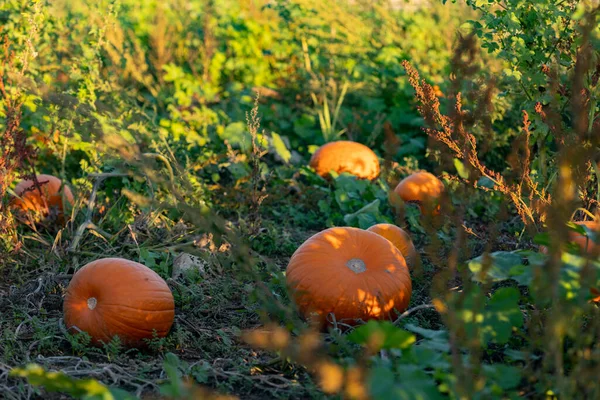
423 189
351 273
42 201
117 297
346 156
399 238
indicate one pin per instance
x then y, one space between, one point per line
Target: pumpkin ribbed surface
350 272
346 156
31 199
422 188
399 238
116 297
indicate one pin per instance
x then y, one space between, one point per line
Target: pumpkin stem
356 265
91 303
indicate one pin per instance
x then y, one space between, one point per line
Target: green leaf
486 182
411 383
435 339
463 172
379 335
502 315
500 266
88 389
280 148
428 333
542 239
505 376
237 136
431 356
366 216
381 383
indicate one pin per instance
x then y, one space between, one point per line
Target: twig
91 205
412 310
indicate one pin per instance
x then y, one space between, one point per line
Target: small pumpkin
399 238
117 297
346 156
42 201
351 273
423 189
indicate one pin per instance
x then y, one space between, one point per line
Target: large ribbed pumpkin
399 238
351 273
346 156
117 297
45 200
423 189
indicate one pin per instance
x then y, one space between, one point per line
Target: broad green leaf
435 339
379 335
427 333
410 383
501 267
463 172
58 382
280 149
502 315
366 216
237 135
505 376
381 383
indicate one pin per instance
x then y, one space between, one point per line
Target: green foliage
496 321
142 108
381 335
84 389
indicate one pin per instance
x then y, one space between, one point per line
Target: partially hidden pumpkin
117 297
585 243
350 273
399 238
423 189
346 156
42 201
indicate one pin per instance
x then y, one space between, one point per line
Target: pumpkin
399 238
117 297
423 189
585 243
351 273
43 201
345 156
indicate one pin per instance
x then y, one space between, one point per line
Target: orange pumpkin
345 156
43 201
421 188
586 244
351 273
399 238
116 297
